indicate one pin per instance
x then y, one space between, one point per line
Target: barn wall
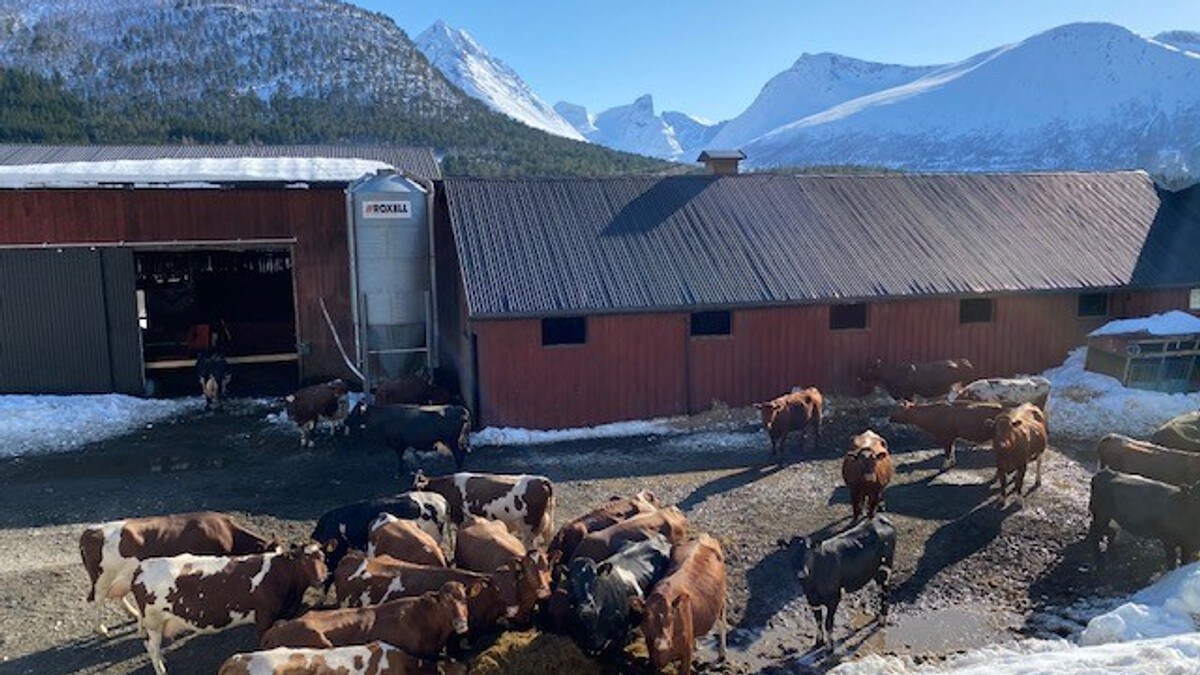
634 366
316 218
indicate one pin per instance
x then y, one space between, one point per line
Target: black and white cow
213 371
349 526
604 596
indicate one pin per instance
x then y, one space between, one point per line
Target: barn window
846 317
1093 304
1194 299
975 310
711 323
566 330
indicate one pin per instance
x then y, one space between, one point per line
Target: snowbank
1174 322
1169 607
1177 654
1088 405
43 424
514 436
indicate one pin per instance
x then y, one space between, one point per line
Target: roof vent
721 162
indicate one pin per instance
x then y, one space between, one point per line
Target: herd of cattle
389 583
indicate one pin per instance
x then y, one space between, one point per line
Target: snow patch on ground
1087 405
1169 607
44 424
515 436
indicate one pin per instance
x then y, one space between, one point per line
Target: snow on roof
1174 322
192 171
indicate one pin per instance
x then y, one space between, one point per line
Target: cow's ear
331 545
554 556
604 568
677 602
637 604
475 589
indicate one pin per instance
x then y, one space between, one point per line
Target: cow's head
310 558
420 480
769 411
801 549
338 387
453 595
866 451
665 627
1004 429
603 616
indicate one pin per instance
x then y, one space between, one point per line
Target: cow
1124 454
604 596
797 411
1007 391
668 521
843 564
213 372
326 402
409 390
420 626
907 380
404 540
111 551
208 594
686 604
610 513
373 658
867 469
484 545
349 526
525 503
445 429
1146 508
510 592
1019 437
948 422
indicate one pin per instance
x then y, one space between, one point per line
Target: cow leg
723 628
1095 534
884 579
830 612
100 627
1020 486
856 500
1003 488
949 462
819 615
1037 481
154 650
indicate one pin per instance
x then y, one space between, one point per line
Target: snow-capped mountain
815 82
469 66
1081 96
636 128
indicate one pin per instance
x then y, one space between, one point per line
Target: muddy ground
968 572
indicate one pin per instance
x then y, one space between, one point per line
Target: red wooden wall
316 218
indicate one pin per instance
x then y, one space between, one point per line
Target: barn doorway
240 302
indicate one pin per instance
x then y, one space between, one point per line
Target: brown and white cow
1019 438
374 658
420 626
867 469
111 550
1007 391
510 592
483 545
404 540
949 421
797 411
668 521
908 380
686 604
1142 458
208 594
608 514
326 402
524 503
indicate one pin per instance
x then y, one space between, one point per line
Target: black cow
421 427
349 526
604 597
213 371
843 564
1146 508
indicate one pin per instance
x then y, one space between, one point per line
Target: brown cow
797 412
524 503
867 470
409 390
484 545
610 513
907 380
111 550
599 545
404 540
1019 438
949 421
319 403
1124 454
374 658
208 594
510 592
686 604
420 626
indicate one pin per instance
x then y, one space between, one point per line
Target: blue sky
710 58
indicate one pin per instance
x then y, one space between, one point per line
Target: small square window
975 310
847 317
1093 304
567 330
711 323
1194 299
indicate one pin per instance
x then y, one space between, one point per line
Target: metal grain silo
391 273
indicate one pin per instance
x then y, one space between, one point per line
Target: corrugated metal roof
557 246
411 160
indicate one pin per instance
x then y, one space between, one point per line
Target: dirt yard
968 572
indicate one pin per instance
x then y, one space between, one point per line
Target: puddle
941 630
